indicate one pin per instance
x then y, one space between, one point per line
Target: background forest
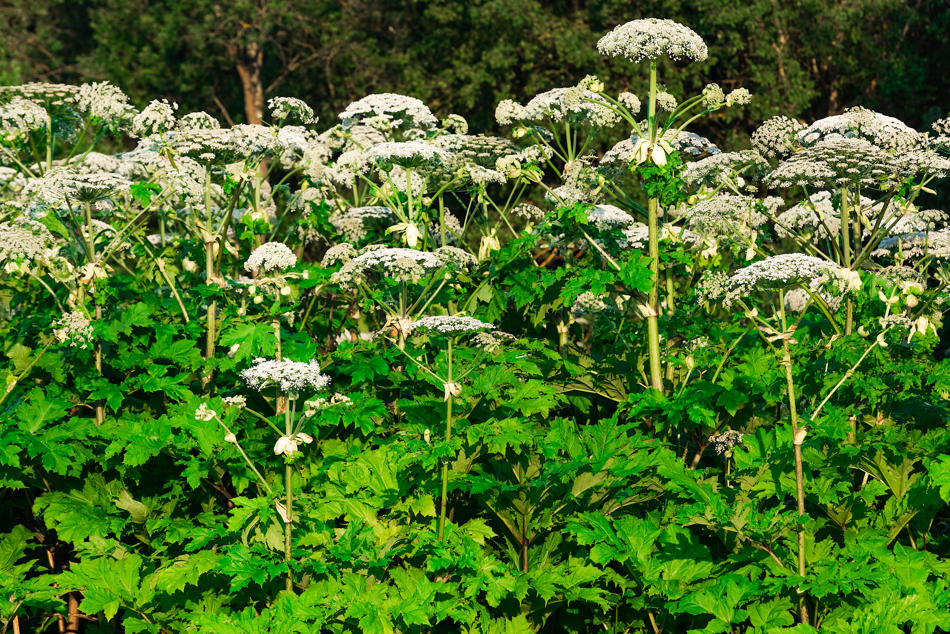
801 58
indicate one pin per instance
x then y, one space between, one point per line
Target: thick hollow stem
846 252
653 330
448 437
91 252
288 503
212 313
797 438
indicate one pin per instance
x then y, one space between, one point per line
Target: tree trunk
249 63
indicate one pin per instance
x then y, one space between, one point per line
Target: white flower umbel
25 245
775 138
290 110
21 117
572 104
652 38
104 102
271 256
338 254
606 217
289 377
410 154
321 403
75 329
780 272
157 117
400 264
449 325
398 111
197 121
205 413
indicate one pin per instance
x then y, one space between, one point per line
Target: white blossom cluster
913 246
400 264
290 110
775 138
480 149
338 254
779 272
665 101
725 217
43 92
355 221
158 117
637 236
724 441
289 377
205 413
455 124
651 39
410 154
271 256
573 105
718 169
197 121
25 246
490 341
835 162
104 102
226 145
887 133
389 110
815 216
449 325
75 329
630 101
606 217
321 403
588 304
239 401
19 118
528 211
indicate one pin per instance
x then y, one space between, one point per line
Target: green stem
17 379
653 330
448 437
846 251
797 440
288 503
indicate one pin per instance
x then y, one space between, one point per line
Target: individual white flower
205 413
289 377
288 445
652 38
271 256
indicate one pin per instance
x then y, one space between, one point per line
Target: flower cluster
449 325
775 138
388 110
652 38
289 377
75 329
158 117
270 256
290 110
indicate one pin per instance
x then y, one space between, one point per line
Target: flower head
290 377
271 256
652 38
449 325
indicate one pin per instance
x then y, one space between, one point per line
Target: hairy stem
288 503
448 437
653 330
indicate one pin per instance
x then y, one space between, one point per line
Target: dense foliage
383 374
807 58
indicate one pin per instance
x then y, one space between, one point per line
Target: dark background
805 58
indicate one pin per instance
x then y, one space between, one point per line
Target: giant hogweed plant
663 388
